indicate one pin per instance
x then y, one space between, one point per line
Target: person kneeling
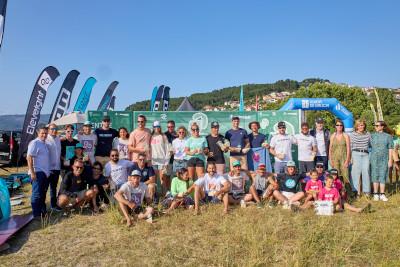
130 199
212 188
181 187
74 188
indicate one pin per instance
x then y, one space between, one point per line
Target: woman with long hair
381 158
121 143
339 150
195 149
181 187
178 148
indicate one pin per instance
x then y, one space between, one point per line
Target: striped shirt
360 141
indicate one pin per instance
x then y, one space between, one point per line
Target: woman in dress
339 150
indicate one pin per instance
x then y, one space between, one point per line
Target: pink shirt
140 139
329 195
314 185
337 184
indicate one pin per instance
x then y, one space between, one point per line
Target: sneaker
286 205
383 197
149 219
271 205
259 205
242 203
376 197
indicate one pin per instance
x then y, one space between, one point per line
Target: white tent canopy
71 118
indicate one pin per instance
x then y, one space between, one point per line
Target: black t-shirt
171 137
67 151
218 155
147 172
256 140
289 183
72 184
99 182
104 141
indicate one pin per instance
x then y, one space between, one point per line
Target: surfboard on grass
13 225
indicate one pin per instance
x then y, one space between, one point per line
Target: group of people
178 169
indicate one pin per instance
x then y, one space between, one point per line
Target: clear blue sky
195 46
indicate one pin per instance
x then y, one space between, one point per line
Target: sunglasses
97 169
140 121
106 120
181 132
339 125
195 130
238 166
281 127
319 167
114 156
378 125
78 168
53 129
170 127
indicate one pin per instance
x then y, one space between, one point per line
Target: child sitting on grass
181 187
313 187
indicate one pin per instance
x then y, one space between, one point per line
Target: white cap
136 173
156 124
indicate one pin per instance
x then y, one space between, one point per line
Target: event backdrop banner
84 96
64 96
36 102
118 119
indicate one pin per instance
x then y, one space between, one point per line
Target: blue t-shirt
236 138
256 141
147 172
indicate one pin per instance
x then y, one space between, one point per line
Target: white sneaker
383 197
242 203
376 197
149 219
286 205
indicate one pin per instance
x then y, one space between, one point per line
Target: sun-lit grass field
245 237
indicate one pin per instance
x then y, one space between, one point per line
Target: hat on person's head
281 124
235 118
333 172
106 118
87 123
236 163
319 163
156 124
78 145
214 124
319 120
256 122
261 167
290 163
136 173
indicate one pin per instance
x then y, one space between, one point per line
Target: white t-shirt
211 183
321 150
122 146
305 144
178 146
54 146
89 143
118 172
135 194
282 145
238 182
160 150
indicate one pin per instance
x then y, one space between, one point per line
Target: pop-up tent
71 118
185 106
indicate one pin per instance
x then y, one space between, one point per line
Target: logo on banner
44 80
264 123
62 103
305 104
201 119
163 117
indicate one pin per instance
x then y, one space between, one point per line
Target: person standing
38 158
171 135
217 145
360 141
322 137
54 145
257 139
178 147
339 151
67 149
239 144
307 147
281 148
195 149
105 136
121 143
139 140
381 159
88 140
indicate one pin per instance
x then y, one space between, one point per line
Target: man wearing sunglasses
117 170
139 140
68 144
148 176
54 144
105 137
74 188
239 143
281 148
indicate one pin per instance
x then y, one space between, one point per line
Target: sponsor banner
105 101
159 95
166 98
3 8
84 96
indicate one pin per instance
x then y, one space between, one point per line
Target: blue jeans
53 181
39 190
359 167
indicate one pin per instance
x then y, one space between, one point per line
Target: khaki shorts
288 195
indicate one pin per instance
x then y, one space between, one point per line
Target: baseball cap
136 173
261 166
256 122
290 163
319 163
79 145
236 163
87 123
156 124
106 118
319 120
333 172
281 124
235 118
214 124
